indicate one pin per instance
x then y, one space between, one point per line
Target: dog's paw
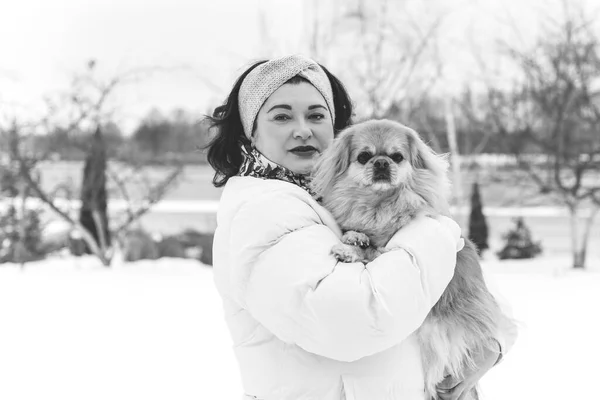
346 253
356 239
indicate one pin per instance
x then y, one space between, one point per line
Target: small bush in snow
198 245
170 246
519 243
20 224
139 245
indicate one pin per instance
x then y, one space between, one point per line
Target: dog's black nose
381 164
381 170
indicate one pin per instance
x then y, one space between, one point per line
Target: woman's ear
333 162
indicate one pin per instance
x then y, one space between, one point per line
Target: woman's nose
302 131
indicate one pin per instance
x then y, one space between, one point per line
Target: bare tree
83 107
550 120
390 56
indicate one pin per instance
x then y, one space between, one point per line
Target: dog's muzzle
381 170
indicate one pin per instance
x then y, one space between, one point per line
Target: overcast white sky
42 42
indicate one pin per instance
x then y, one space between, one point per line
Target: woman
303 326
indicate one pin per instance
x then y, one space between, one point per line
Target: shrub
139 245
20 227
519 243
171 247
198 245
20 236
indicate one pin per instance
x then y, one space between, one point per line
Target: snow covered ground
72 330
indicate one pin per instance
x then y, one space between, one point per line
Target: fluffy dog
375 178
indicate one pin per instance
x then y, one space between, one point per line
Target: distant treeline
182 137
157 139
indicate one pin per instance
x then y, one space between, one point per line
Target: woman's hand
452 388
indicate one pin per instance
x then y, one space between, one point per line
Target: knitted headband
265 79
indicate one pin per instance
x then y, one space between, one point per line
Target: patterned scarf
258 166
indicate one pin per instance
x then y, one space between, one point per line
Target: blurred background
107 207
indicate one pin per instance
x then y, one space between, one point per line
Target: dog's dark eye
364 157
397 157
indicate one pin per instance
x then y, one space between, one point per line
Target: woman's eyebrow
286 106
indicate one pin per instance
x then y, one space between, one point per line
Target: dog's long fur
465 318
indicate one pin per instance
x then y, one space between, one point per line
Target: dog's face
382 155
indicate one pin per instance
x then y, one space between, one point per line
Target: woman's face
294 126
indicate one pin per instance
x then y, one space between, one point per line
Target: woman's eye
281 117
317 117
397 157
364 157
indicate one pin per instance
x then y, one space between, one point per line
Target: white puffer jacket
306 327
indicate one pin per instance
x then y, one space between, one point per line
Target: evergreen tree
93 190
478 229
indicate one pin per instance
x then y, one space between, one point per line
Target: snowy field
72 330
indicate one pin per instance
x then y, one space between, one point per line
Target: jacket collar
255 164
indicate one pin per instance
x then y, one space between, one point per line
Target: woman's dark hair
224 153
341 102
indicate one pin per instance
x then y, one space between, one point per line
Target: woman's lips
304 151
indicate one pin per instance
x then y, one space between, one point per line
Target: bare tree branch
156 194
87 103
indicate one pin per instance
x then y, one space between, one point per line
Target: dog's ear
423 156
333 162
431 173
419 152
